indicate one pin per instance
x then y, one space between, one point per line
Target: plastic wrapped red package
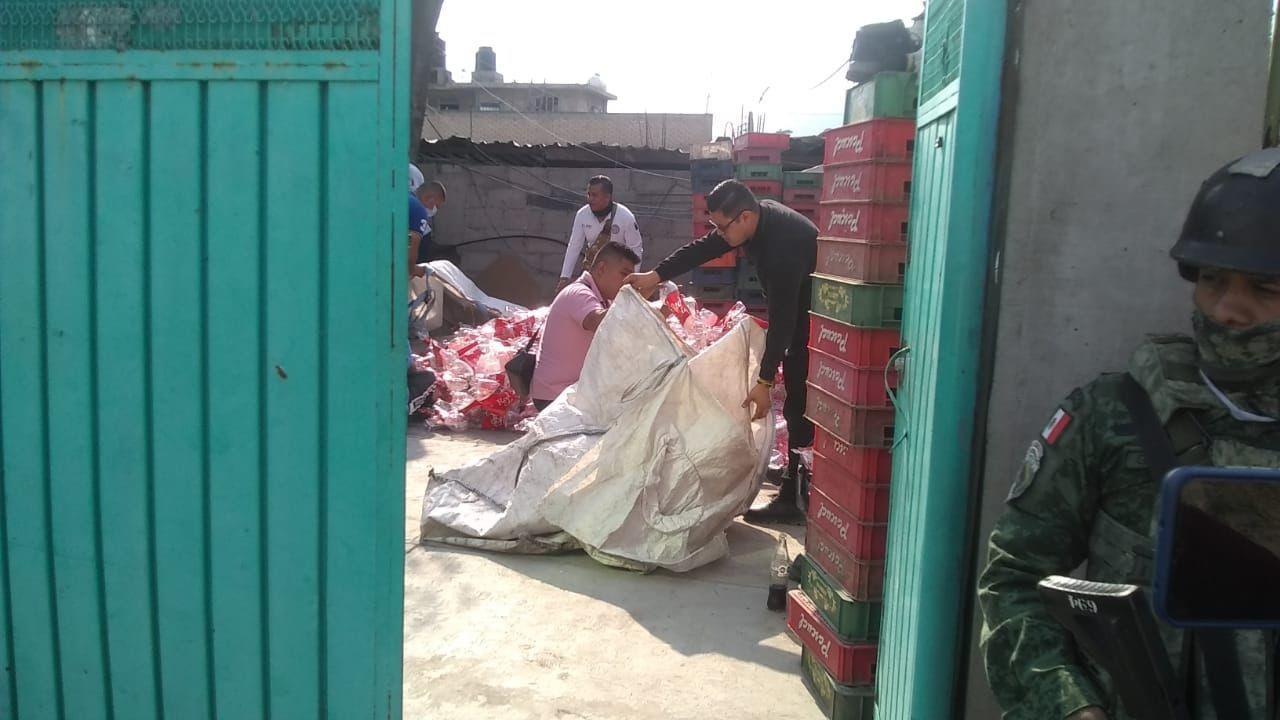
471 369
676 302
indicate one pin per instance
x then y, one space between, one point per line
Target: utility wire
839 67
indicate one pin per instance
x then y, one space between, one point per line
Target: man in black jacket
784 245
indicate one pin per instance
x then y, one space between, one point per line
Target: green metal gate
952 185
201 358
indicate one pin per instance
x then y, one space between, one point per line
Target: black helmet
1234 222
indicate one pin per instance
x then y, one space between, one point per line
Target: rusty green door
201 369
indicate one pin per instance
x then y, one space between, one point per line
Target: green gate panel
202 358
921 648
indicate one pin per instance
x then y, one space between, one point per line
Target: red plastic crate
866 503
858 386
699 201
727 260
797 205
700 229
860 347
811 213
884 181
757 156
863 581
868 466
881 139
765 188
869 222
781 141
701 218
795 196
858 426
864 541
862 261
848 663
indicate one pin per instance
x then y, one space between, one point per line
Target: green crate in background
888 94
758 172
801 179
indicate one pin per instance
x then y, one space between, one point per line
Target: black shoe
778 510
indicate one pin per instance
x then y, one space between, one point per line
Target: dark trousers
541 405
795 370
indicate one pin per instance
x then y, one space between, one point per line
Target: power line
574 144
833 74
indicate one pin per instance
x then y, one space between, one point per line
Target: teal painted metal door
201 359
925 590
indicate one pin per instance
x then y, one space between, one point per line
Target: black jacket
785 250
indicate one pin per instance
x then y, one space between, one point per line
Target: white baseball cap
415 178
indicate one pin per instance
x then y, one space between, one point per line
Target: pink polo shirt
564 344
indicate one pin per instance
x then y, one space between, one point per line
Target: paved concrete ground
492 636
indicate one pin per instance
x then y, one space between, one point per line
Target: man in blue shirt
425 198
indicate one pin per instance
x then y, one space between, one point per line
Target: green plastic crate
852 620
838 702
857 304
801 179
888 94
758 172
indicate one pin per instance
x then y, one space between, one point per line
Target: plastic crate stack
757 161
715 283
854 331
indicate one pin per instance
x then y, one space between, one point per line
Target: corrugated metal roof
463 150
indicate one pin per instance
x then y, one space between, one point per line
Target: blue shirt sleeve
421 224
418 221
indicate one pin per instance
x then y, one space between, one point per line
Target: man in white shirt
599 222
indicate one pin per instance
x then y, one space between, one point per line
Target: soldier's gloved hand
1089 713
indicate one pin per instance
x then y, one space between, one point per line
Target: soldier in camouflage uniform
1086 491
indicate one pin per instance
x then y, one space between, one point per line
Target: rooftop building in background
488 91
490 109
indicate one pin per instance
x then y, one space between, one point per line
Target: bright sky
670 56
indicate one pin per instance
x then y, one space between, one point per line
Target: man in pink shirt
572 321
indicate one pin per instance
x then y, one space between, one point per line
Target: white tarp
643 463
451 275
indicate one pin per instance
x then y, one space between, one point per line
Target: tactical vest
1171 406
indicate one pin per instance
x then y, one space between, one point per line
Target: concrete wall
486 201
572 99
1122 108
667 131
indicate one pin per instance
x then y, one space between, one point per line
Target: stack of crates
854 332
715 283
757 160
801 191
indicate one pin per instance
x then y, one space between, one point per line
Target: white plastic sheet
644 462
450 274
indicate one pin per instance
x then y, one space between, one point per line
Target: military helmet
1234 221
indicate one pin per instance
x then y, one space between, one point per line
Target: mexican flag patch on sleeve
1057 425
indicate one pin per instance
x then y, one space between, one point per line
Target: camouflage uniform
1085 493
